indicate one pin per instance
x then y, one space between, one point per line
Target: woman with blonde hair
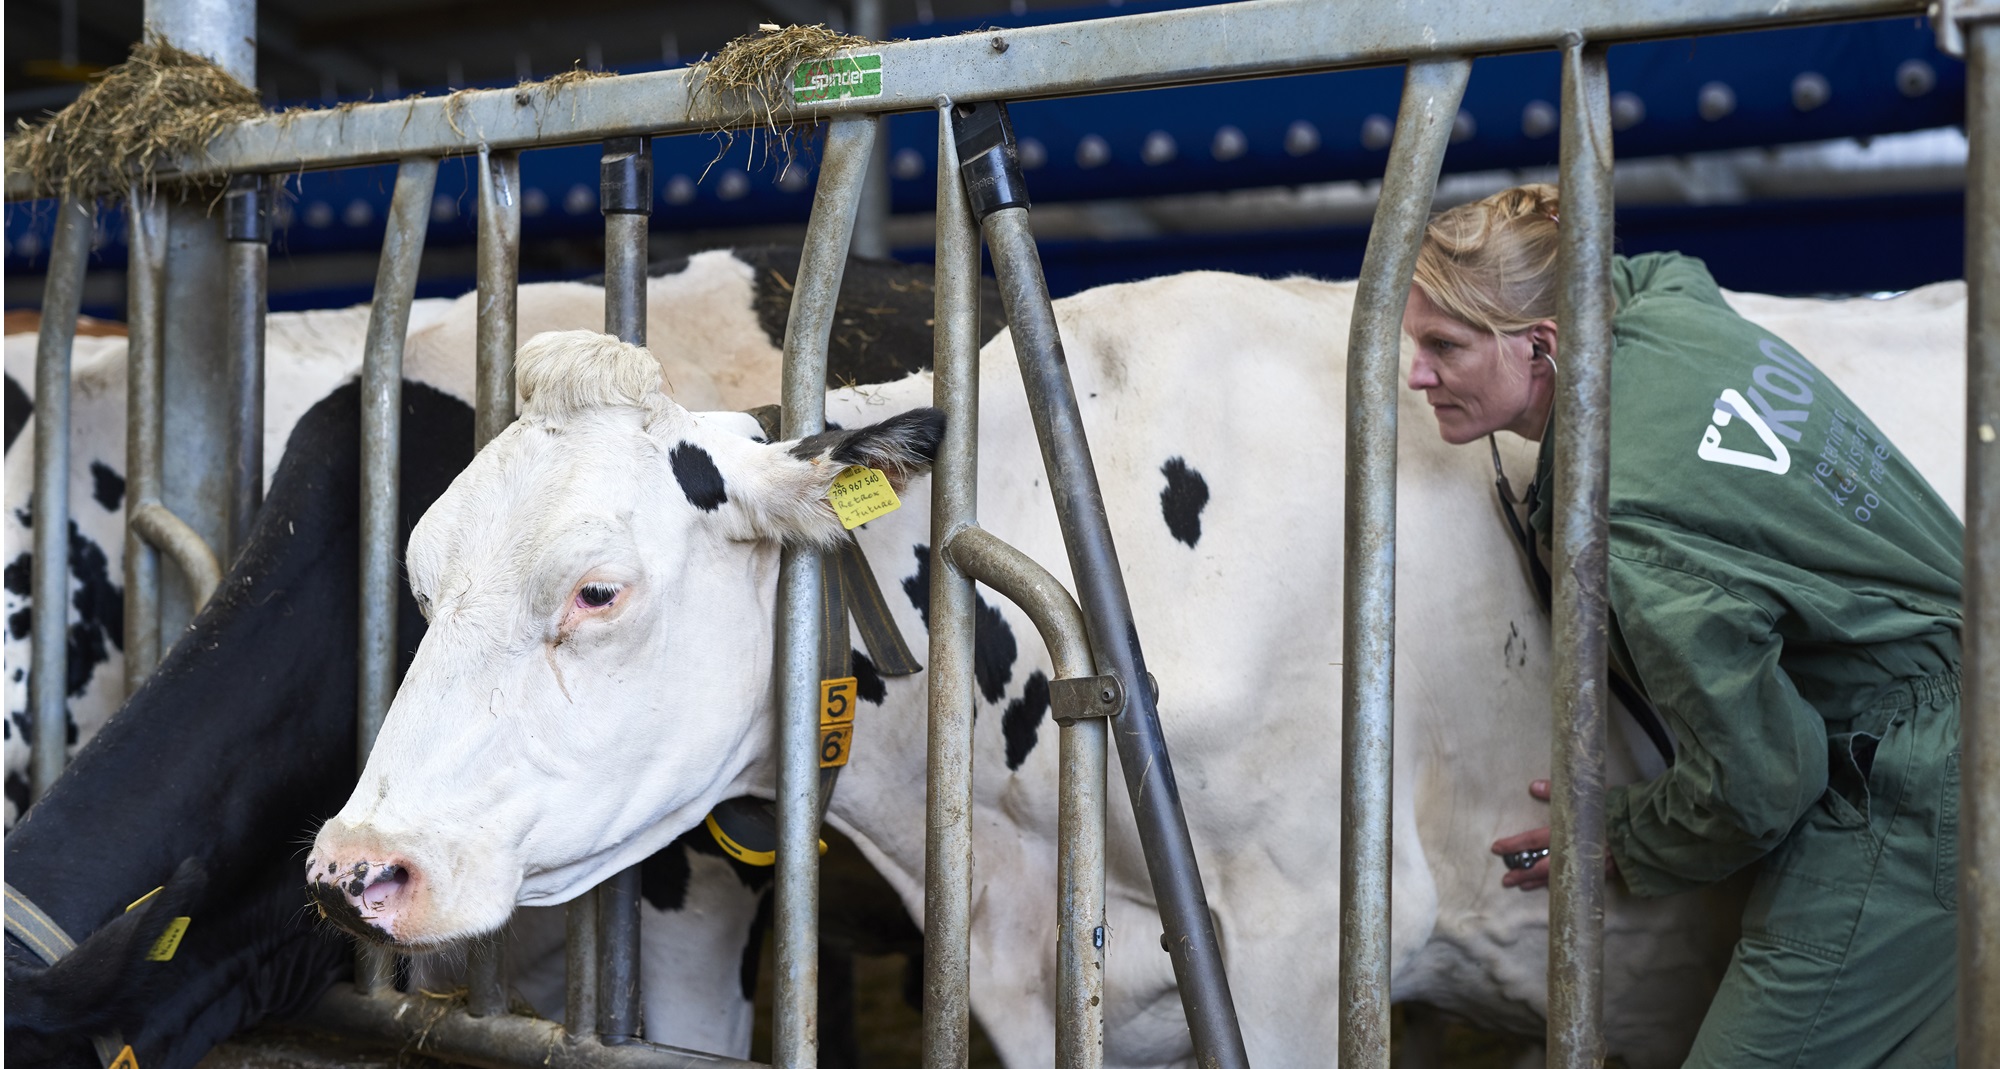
1784 589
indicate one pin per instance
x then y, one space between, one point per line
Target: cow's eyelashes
423 604
596 595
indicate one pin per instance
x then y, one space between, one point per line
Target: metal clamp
626 176
247 209
1081 697
1949 17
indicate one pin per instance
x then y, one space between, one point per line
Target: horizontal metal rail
422 1024
1225 42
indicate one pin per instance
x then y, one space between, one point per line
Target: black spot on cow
100 608
663 877
1183 499
19 408
881 321
993 647
17 785
107 487
20 574
1023 717
20 623
699 479
868 679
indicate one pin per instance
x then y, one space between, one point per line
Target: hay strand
759 66
161 105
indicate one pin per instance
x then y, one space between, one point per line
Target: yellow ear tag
861 494
163 947
126 1059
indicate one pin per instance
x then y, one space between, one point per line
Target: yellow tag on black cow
169 941
861 494
126 1059
836 720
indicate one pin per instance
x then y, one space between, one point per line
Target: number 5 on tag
836 720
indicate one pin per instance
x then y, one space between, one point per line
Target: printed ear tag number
836 720
861 494
169 941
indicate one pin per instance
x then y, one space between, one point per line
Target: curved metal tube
171 535
1017 577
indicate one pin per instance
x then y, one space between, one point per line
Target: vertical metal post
1431 92
1080 930
499 256
381 456
626 196
1979 786
197 395
247 228
871 217
991 170
1582 535
146 264
48 682
580 964
954 505
795 1044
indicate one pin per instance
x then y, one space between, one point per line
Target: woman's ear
1543 337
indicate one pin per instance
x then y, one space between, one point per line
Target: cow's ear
791 502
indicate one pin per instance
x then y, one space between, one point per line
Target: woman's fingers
1527 840
1528 879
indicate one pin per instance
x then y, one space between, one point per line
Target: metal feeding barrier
1100 667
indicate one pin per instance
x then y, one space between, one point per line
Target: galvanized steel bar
843 162
1431 92
1582 537
415 1022
626 198
48 681
580 968
145 292
499 256
947 919
247 229
1979 786
1080 927
995 185
172 536
1182 47
381 481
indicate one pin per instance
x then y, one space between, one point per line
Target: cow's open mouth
336 906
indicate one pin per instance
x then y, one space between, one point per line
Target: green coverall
1785 589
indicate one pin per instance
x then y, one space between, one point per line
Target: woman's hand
1536 876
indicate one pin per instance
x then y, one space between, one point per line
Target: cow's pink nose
365 897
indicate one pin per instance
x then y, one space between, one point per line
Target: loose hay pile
159 105
758 67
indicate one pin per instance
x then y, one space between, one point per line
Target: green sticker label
840 76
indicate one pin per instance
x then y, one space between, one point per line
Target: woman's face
1475 382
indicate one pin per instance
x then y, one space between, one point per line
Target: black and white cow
616 552
703 919
729 306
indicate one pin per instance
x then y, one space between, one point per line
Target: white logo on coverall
1788 383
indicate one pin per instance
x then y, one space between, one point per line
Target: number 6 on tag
836 720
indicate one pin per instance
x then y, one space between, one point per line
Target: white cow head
600 585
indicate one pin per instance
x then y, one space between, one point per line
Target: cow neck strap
747 828
40 933
1626 690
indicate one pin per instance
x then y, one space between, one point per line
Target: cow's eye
596 595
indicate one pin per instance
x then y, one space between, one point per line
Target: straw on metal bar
48 685
954 505
795 1043
627 202
1080 806
381 454
1582 535
1979 789
146 264
247 229
1431 92
499 254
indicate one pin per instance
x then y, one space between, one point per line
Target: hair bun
1538 198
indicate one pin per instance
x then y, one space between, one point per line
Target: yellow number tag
169 941
861 494
836 720
126 1059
